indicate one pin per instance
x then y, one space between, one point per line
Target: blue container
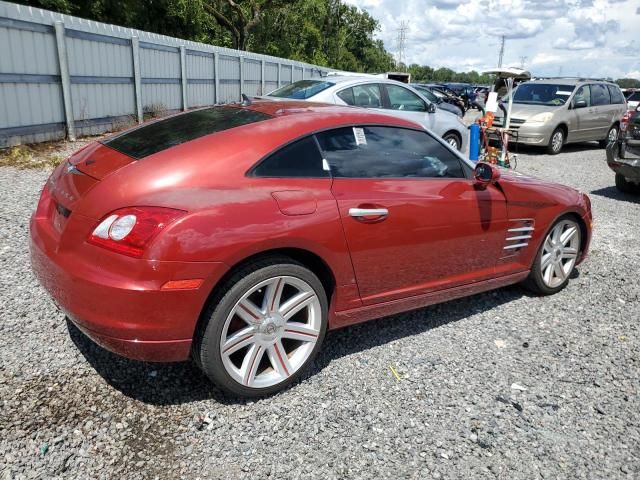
474 142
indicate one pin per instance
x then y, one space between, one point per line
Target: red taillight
130 230
625 120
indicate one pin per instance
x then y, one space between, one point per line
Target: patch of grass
27 157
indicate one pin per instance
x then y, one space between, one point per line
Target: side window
402 99
583 94
298 159
599 94
634 97
367 96
616 94
387 152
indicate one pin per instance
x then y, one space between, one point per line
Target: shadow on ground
569 148
178 383
615 194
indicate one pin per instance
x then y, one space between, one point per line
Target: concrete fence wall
66 76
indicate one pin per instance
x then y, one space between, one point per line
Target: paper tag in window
562 92
325 165
360 137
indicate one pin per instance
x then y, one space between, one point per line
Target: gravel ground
499 385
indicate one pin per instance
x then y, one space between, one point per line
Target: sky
590 38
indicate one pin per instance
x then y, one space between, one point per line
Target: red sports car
238 234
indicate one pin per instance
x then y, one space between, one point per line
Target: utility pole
523 59
402 38
501 51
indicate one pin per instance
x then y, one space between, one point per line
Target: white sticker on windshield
325 165
361 139
562 92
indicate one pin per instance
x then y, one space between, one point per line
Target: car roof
569 81
353 79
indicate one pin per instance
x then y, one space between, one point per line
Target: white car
388 96
633 100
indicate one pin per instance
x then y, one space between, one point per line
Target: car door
581 117
601 105
413 221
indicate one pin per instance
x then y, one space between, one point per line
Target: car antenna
246 101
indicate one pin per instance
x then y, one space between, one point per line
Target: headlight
541 118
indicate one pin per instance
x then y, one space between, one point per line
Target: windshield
542 94
301 90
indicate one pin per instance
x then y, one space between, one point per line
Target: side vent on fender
518 236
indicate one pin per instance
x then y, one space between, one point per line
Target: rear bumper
629 167
118 301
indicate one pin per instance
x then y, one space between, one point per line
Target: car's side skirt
369 312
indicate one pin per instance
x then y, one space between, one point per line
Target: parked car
465 91
438 99
623 155
387 96
238 235
448 95
555 112
633 99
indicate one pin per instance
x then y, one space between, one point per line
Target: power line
501 51
402 38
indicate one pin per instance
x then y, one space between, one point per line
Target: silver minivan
557 111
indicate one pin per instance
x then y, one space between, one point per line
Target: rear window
163 134
301 90
616 94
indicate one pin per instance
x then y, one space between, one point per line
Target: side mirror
580 104
484 174
431 108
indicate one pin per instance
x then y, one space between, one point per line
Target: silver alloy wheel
263 345
613 135
557 140
559 253
453 141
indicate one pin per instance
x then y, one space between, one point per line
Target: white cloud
551 36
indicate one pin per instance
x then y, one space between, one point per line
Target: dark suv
623 155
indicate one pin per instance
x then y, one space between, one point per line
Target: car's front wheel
263 328
556 142
453 140
556 258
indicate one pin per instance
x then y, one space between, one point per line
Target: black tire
534 282
605 142
555 147
624 186
453 137
206 349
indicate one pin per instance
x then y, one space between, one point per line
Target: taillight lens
625 120
130 230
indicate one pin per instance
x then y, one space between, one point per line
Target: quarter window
367 96
599 95
387 152
616 94
403 99
298 159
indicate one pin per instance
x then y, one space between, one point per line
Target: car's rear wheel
453 140
556 258
556 142
612 136
264 328
625 186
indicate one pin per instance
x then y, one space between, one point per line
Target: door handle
368 212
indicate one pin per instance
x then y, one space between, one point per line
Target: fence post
241 62
279 74
137 83
65 79
183 75
262 77
216 78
